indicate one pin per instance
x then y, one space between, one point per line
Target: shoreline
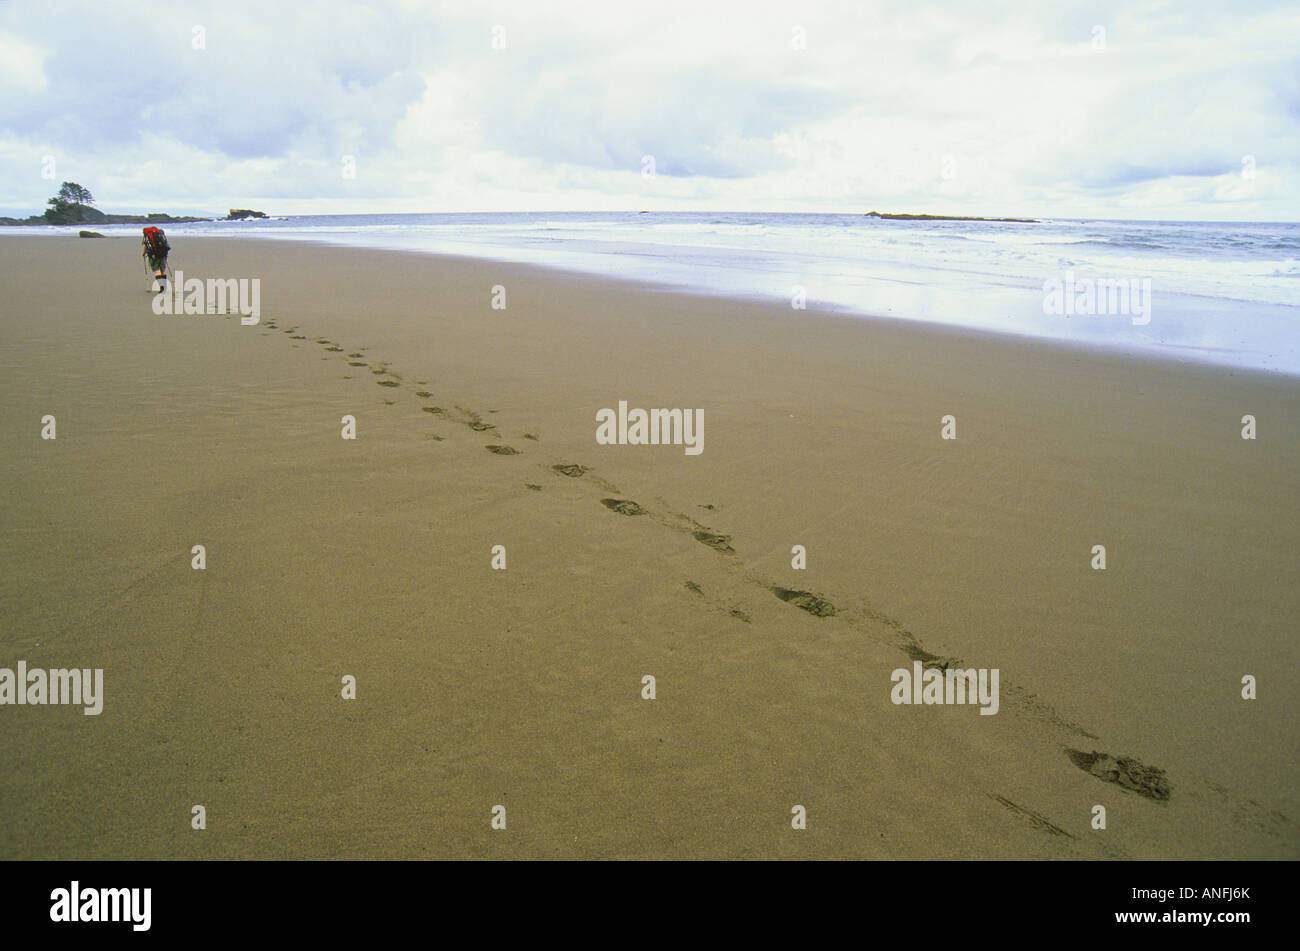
819 310
476 686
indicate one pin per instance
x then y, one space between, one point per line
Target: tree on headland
70 205
74 194
74 205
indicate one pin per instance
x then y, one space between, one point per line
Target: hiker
154 247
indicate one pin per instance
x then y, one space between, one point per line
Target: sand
523 687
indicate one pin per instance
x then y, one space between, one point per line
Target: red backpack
157 241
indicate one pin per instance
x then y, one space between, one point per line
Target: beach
477 687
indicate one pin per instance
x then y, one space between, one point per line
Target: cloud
824 106
22 67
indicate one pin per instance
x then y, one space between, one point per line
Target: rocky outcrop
890 217
85 215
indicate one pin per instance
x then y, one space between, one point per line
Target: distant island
876 214
83 214
74 205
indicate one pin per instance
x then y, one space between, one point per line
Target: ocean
1223 293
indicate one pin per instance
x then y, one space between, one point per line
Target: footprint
388 383
423 394
356 356
572 470
535 488
532 436
297 337
623 506
503 450
479 427
805 600
931 661
334 349
692 586
378 372
356 364
1125 772
435 410
741 615
715 541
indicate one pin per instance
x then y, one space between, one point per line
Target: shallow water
1224 293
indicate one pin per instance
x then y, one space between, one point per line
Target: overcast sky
1098 109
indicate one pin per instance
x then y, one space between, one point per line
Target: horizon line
646 211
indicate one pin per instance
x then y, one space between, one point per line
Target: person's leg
159 269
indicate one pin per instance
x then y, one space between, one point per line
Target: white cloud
22 67
1018 106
